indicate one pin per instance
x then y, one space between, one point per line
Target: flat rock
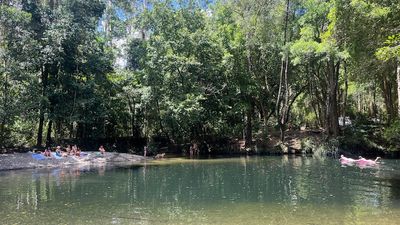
26 161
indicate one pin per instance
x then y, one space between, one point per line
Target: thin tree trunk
386 90
132 115
249 126
283 81
346 87
5 106
80 131
44 78
142 31
106 22
160 121
134 130
398 88
374 108
284 113
282 71
49 129
59 131
282 131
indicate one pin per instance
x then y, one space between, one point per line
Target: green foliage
391 50
392 135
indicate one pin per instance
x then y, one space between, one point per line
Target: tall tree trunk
131 105
282 128
107 20
80 131
59 131
142 31
284 112
5 106
387 97
71 130
398 88
332 112
346 87
49 129
283 61
374 107
249 126
44 78
160 121
283 80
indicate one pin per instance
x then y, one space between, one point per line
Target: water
247 190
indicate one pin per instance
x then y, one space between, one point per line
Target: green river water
246 190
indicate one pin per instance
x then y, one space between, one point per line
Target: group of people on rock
73 150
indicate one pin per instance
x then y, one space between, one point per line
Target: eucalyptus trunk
332 126
346 87
398 88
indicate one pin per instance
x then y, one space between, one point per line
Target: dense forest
181 71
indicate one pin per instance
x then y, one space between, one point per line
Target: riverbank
26 161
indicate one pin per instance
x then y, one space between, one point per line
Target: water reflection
205 191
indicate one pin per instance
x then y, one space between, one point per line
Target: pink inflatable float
360 162
367 162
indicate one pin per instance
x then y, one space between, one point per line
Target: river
244 190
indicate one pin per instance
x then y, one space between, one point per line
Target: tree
15 51
392 51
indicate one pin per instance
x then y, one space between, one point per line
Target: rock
26 161
284 148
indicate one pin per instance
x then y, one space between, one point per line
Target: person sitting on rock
73 150
68 149
102 150
47 152
78 152
59 152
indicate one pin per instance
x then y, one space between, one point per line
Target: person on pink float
367 162
361 161
346 160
